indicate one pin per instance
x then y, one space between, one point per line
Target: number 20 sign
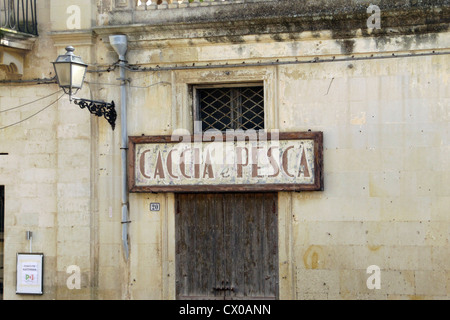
155 206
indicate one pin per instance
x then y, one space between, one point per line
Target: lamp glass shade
77 74
63 74
70 71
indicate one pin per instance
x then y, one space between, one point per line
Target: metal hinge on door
224 287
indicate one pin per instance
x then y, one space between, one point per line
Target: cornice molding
74 38
16 40
342 24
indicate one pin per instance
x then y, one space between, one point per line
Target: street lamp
70 72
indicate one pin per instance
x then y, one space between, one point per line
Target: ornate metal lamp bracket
100 109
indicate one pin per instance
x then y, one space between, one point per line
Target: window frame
196 101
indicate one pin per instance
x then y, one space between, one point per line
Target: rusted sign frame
317 137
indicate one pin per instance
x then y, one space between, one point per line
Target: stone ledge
176 4
13 48
16 40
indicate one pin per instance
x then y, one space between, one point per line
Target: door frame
286 258
224 230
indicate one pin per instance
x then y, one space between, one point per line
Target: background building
371 76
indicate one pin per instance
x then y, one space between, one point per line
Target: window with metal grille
223 108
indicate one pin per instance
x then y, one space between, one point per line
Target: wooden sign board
220 163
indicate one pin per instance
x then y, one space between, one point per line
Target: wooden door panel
197 246
234 254
226 246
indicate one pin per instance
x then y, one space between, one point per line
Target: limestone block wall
29 170
47 179
386 153
29 175
386 162
385 202
385 124
49 171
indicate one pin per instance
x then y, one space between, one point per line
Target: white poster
29 273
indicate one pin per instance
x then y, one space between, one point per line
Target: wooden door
227 246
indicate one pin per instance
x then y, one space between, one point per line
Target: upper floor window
229 107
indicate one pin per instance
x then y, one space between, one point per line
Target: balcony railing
173 4
19 16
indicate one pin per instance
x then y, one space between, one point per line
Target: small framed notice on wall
29 273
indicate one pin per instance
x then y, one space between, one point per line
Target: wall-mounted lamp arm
99 108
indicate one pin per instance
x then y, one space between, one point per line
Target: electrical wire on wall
136 68
34 114
314 60
243 64
31 102
130 86
29 81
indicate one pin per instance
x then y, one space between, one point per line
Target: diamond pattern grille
232 108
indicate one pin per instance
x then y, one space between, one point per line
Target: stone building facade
371 76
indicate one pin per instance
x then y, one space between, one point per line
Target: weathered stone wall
384 115
290 15
50 169
385 202
386 143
